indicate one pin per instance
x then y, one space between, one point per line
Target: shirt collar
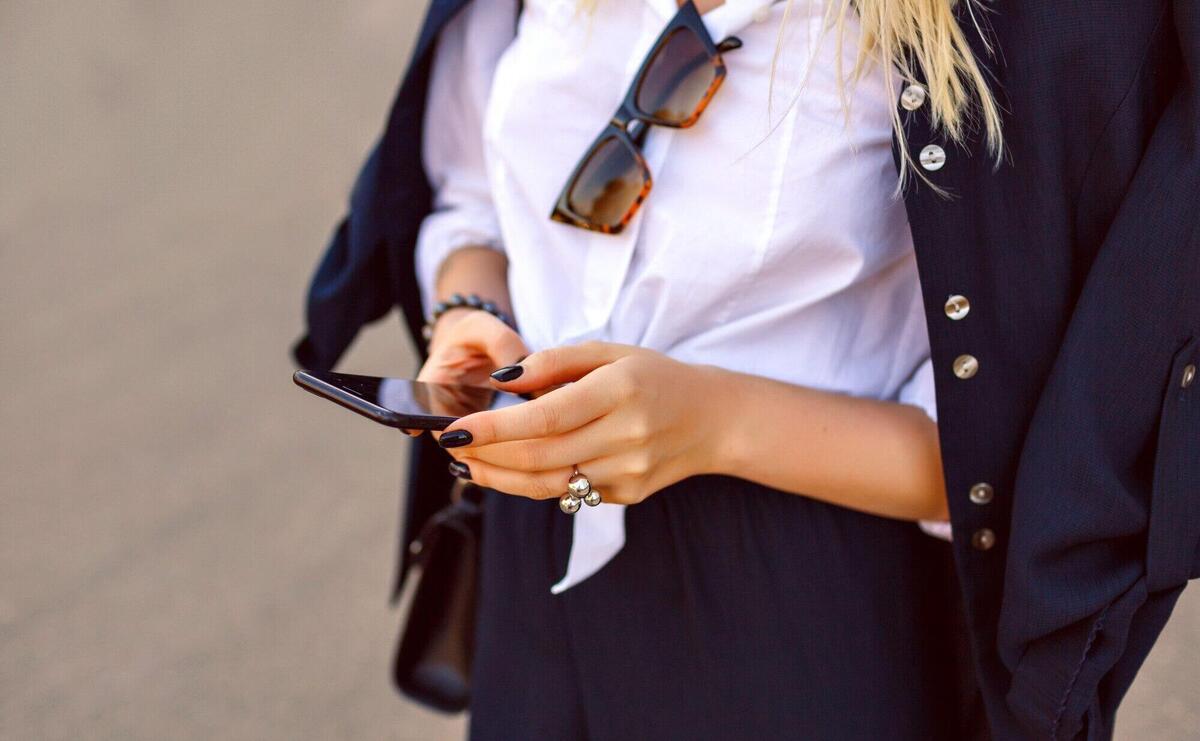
725 19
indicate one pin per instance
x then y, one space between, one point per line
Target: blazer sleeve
368 265
1106 507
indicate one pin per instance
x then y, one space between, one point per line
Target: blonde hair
911 35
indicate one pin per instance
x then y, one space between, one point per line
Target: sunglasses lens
609 185
674 86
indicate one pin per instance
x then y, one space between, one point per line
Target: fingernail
460 470
455 439
508 373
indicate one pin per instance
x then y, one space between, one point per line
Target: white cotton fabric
772 242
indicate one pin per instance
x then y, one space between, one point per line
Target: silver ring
579 491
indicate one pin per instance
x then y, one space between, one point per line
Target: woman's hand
636 421
633 420
467 345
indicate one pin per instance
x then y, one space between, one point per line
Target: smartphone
399 402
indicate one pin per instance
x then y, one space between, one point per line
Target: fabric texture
1080 255
734 612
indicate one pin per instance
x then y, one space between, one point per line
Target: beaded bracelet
458 301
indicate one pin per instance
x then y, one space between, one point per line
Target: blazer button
932 157
983 539
1189 375
966 366
957 307
982 493
912 98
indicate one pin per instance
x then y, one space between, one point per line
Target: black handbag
437 644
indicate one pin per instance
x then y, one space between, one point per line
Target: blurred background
190 547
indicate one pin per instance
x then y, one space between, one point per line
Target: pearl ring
579 491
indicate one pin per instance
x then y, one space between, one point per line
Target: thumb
504 346
558 365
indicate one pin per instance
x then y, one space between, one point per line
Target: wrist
459 303
726 393
445 321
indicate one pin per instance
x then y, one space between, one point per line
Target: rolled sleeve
452 147
919 391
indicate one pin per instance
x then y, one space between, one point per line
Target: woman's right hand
467 345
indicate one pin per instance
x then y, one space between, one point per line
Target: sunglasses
672 88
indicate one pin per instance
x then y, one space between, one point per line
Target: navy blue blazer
1072 454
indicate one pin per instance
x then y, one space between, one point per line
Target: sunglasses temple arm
729 44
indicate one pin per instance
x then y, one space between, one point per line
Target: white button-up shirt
772 242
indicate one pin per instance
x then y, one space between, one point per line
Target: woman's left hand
633 420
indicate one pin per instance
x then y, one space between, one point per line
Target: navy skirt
734 611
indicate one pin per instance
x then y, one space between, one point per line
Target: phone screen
402 402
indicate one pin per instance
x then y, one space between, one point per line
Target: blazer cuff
1058 677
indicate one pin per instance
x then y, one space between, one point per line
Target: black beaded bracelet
458 301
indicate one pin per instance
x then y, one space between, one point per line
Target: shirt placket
610 256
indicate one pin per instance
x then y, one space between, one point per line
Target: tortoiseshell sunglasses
676 81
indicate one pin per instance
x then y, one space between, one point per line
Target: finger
534 485
559 365
456 366
471 347
459 401
552 484
599 438
486 333
506 347
559 411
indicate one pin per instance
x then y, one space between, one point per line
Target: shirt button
966 366
762 14
933 157
912 98
1189 375
983 539
957 307
982 493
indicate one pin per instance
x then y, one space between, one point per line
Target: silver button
933 157
912 98
982 493
965 366
1189 375
957 307
983 539
762 14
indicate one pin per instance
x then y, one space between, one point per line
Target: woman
776 347
750 362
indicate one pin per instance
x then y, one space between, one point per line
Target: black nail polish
508 373
455 439
460 470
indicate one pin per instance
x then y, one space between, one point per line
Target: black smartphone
399 402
